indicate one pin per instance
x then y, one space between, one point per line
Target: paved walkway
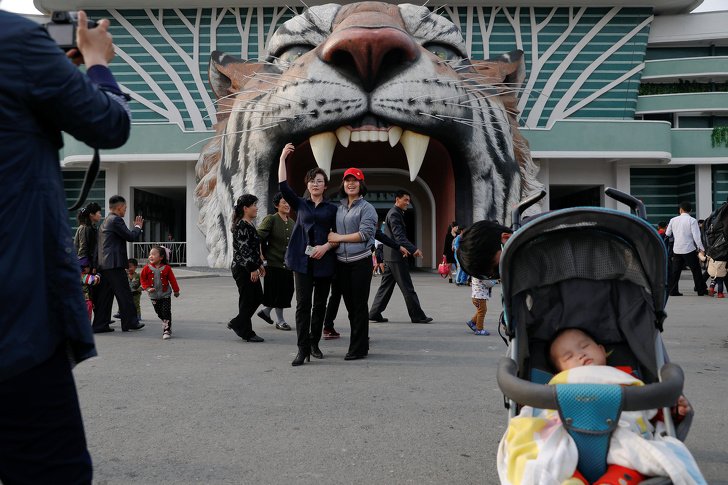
424 408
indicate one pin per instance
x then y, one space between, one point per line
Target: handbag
444 268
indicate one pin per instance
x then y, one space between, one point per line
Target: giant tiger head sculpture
373 85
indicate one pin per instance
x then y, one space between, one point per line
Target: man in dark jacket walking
396 270
112 264
44 326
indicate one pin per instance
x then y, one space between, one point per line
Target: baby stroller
604 271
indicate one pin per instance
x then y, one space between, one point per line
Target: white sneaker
166 335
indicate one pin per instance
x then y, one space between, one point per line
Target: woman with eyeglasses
356 223
309 255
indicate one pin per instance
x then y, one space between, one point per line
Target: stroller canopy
588 243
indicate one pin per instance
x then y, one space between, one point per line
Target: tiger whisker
223 135
465 121
481 108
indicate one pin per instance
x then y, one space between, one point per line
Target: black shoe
116 315
138 326
676 294
254 338
423 320
355 356
265 317
300 357
105 329
232 327
378 318
316 352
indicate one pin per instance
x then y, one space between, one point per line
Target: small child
717 272
156 279
480 292
135 285
573 348
87 281
537 448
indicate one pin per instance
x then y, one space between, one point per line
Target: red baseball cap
358 174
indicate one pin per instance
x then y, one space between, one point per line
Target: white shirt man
684 228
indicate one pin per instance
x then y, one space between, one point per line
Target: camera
62 28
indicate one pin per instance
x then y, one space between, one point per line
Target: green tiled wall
662 189
72 183
617 103
720 185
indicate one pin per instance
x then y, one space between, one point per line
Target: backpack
714 234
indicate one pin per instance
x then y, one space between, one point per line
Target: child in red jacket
156 279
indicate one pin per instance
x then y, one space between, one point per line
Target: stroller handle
634 398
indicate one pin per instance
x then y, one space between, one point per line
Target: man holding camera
44 326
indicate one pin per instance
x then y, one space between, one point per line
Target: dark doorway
163 209
565 196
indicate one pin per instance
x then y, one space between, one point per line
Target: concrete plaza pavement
424 408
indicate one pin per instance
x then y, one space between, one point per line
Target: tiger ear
508 69
228 74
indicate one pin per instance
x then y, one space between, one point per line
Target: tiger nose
369 52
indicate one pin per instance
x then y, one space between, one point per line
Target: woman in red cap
356 224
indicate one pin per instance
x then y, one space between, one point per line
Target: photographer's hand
95 44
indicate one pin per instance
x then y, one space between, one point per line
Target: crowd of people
701 245
325 254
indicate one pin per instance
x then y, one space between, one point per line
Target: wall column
196 248
703 191
621 177
111 187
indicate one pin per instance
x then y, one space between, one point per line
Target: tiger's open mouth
379 148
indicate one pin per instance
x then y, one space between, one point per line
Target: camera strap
88 181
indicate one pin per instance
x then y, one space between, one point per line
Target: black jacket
42 94
397 230
113 236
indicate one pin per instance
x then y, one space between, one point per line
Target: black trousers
311 293
41 431
250 296
678 263
114 282
354 280
332 307
397 273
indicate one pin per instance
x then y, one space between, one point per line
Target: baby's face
574 348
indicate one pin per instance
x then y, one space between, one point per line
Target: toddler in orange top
158 281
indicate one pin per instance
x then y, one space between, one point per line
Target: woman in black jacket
309 255
86 234
247 266
447 252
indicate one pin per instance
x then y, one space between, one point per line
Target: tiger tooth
383 136
415 147
344 135
322 146
356 136
394 134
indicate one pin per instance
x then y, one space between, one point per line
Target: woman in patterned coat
247 266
